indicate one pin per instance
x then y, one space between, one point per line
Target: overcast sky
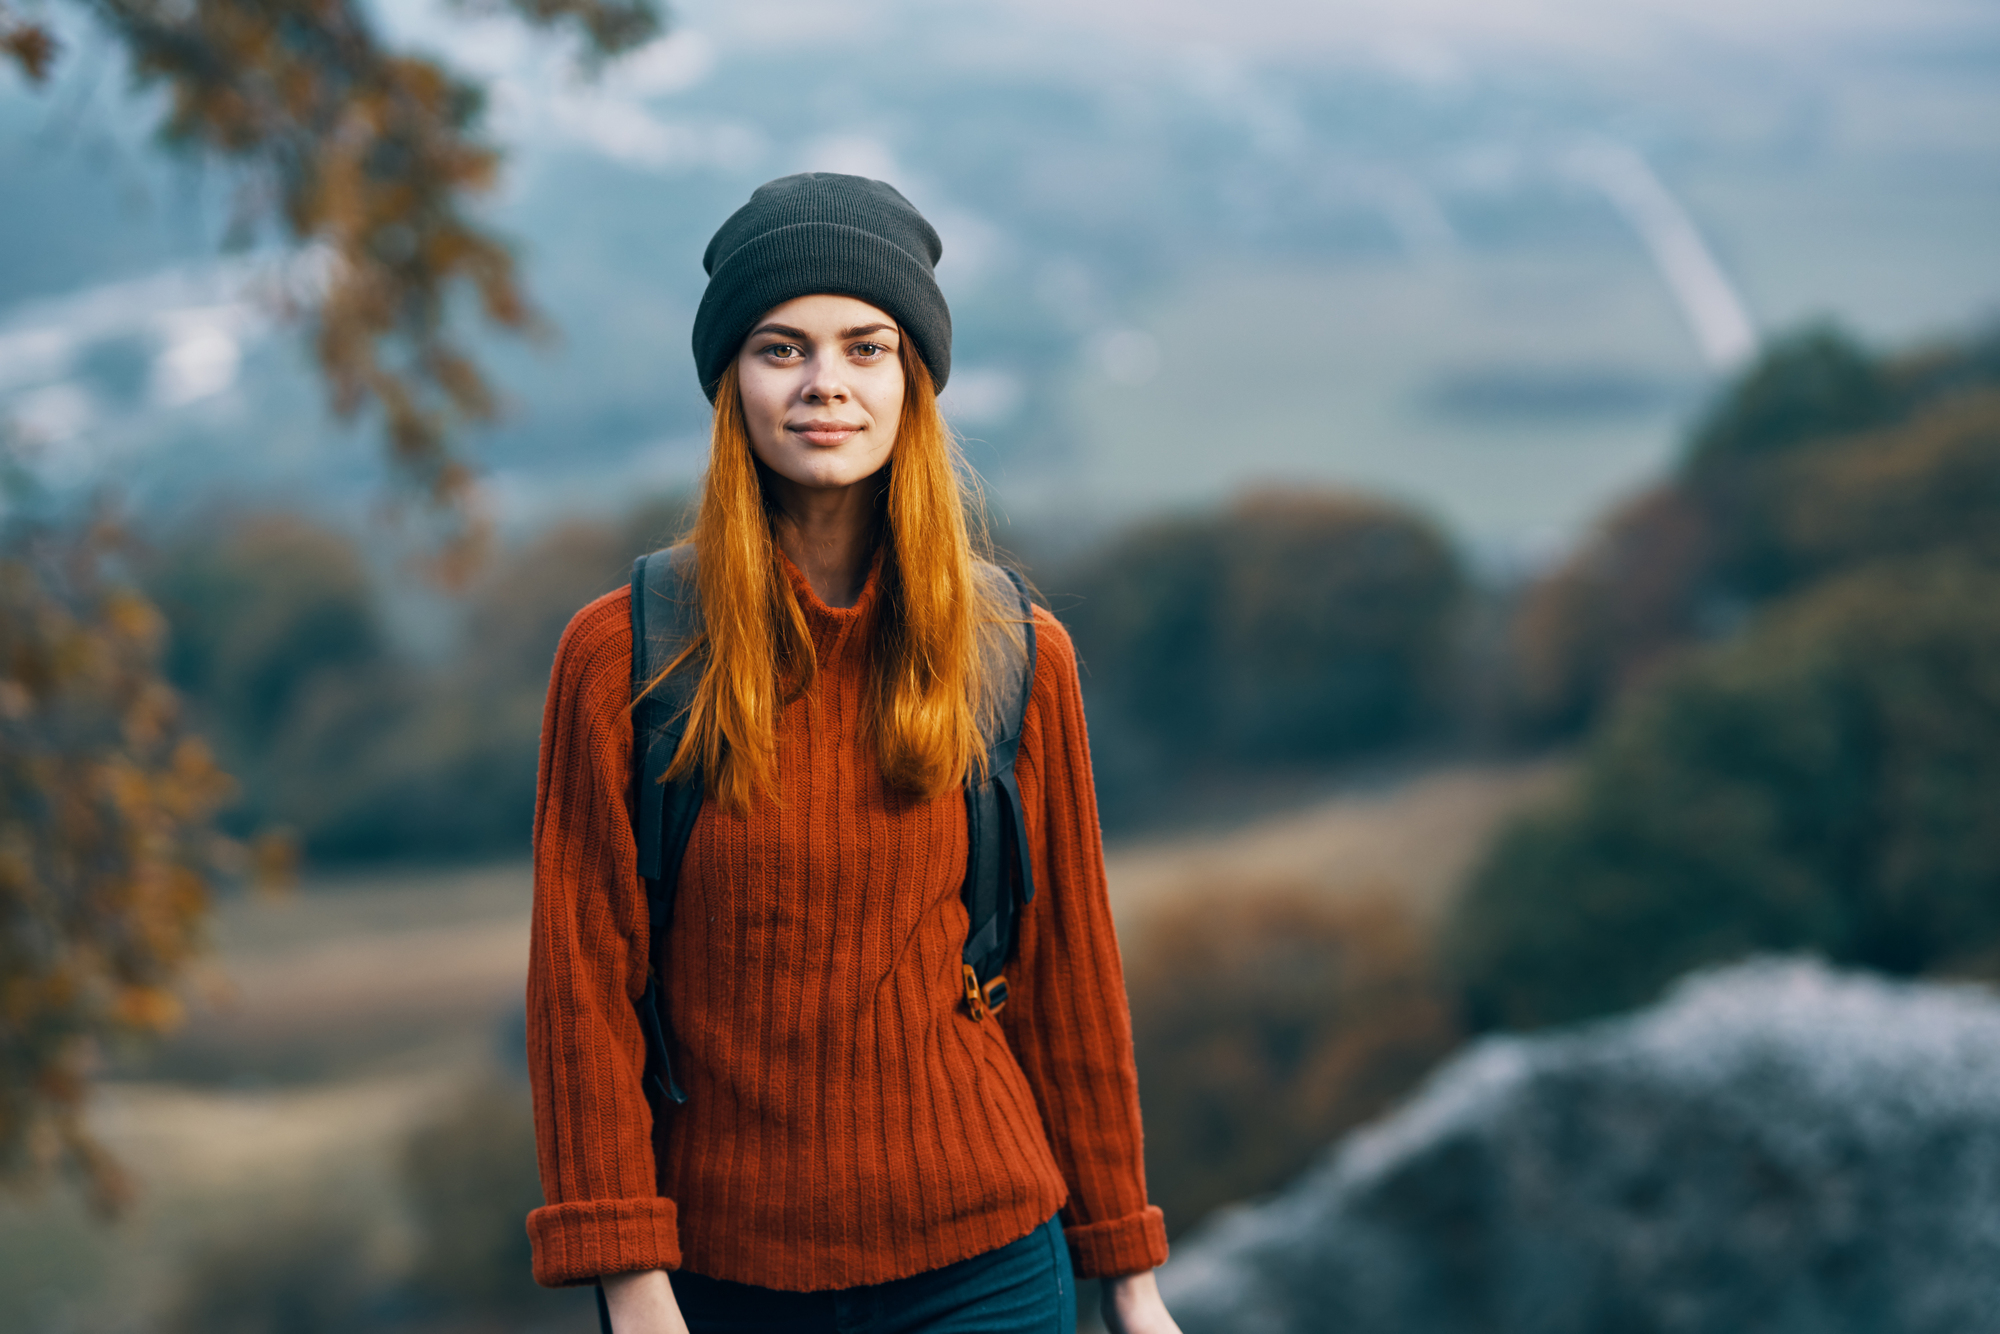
1623 27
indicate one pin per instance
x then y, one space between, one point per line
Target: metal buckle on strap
975 1000
981 1001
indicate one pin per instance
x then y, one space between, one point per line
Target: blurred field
346 1015
362 975
1412 841
338 1019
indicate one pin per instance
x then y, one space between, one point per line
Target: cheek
889 421
764 395
885 407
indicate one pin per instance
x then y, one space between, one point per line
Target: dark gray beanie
821 232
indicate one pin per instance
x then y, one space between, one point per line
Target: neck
828 532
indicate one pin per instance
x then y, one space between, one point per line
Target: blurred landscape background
1525 488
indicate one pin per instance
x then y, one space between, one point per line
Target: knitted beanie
819 232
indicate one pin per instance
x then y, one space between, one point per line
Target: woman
859 1148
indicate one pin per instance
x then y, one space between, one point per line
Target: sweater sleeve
1069 1025
586 965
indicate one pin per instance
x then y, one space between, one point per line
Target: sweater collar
834 628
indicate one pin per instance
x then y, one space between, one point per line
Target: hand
643 1303
1132 1305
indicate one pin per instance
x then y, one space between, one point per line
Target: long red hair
931 683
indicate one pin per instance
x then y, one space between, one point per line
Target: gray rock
1774 1148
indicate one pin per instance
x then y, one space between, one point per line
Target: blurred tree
1824 782
1810 386
1777 489
366 158
1266 1021
366 155
106 848
1287 627
521 603
442 763
278 643
261 608
1612 614
1931 483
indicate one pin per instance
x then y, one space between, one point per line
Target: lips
825 433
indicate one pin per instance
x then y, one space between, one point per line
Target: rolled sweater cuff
580 1241
1128 1245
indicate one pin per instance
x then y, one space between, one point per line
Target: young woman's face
822 389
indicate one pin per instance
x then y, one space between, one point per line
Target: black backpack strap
998 873
666 618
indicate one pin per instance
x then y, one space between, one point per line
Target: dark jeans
1025 1287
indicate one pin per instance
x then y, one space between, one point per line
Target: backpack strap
999 877
666 618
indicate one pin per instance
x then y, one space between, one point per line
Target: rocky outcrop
1776 1147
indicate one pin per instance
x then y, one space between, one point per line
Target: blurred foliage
27 43
278 644
265 610
1266 1021
1821 775
1602 622
1296 627
367 753
1931 483
1280 630
471 1178
1827 782
366 158
1776 491
1810 386
107 851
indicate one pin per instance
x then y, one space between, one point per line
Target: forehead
824 313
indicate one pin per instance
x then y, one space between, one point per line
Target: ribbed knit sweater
848 1122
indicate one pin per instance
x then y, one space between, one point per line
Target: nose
826 384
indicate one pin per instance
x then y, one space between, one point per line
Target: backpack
998 880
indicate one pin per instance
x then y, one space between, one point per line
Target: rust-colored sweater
848 1122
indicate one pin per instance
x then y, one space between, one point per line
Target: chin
830 474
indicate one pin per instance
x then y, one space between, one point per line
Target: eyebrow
787 331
